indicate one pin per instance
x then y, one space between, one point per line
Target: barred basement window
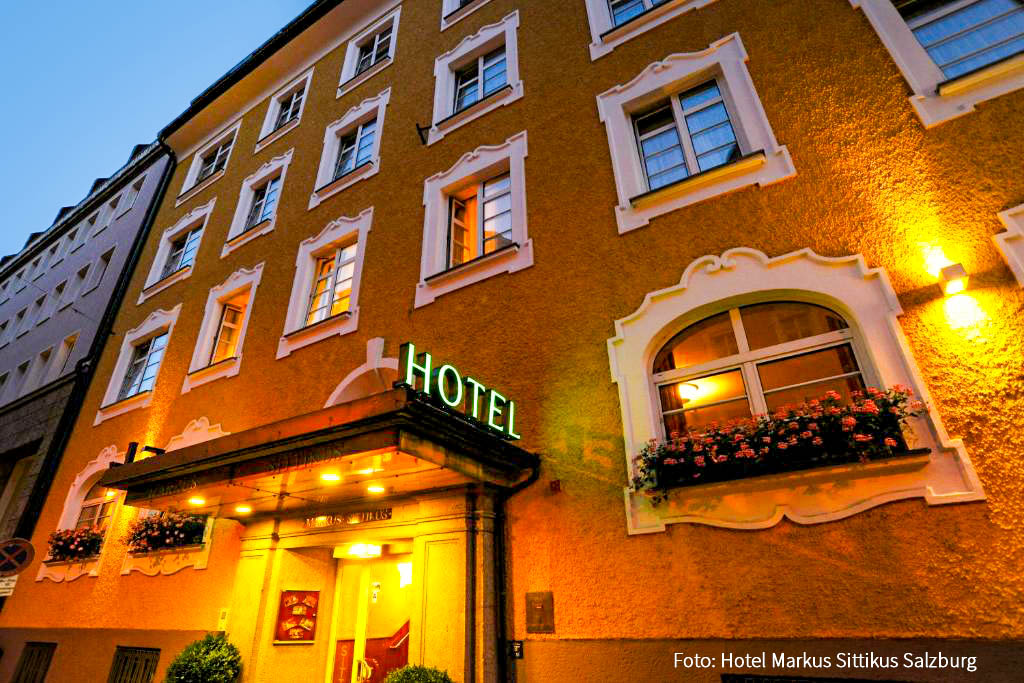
480 220
377 48
134 665
183 252
264 199
471 87
753 360
961 37
97 508
355 149
144 365
215 160
331 292
34 663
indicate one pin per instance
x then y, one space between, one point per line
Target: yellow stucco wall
870 180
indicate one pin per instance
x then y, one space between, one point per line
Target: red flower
861 437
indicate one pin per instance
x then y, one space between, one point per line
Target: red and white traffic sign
15 555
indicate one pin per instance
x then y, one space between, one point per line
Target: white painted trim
1011 241
168 561
725 60
196 431
199 216
451 14
488 38
867 301
348 78
237 233
370 108
267 132
599 15
379 372
157 322
199 370
343 230
924 77
189 184
473 167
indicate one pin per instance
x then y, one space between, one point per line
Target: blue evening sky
84 81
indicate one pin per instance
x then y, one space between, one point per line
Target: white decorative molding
197 217
937 99
451 13
375 376
200 371
724 60
867 301
267 133
69 570
367 110
239 233
189 187
605 37
1011 241
341 231
349 79
169 561
488 38
481 164
196 431
157 322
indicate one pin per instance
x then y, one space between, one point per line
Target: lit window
375 49
291 105
356 148
264 199
331 292
144 365
225 345
624 10
97 508
470 87
182 253
480 220
963 37
215 160
754 359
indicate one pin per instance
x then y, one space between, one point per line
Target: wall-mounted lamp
198 501
687 391
243 509
953 279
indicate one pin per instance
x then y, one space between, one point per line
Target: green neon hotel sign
457 391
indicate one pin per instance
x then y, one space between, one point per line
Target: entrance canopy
386 445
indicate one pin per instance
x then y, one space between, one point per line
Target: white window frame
341 231
200 371
157 323
605 37
190 187
239 234
199 217
451 13
349 80
865 298
764 160
487 39
1011 241
326 185
483 163
935 98
268 133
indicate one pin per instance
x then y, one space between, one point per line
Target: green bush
210 660
418 674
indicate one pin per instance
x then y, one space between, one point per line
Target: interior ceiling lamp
687 391
953 278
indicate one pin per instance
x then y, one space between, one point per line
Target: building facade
430 276
55 295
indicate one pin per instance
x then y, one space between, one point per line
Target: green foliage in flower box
171 530
75 544
814 434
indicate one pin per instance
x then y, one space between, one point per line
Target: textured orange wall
869 180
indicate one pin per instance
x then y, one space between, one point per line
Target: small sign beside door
540 612
7 585
296 617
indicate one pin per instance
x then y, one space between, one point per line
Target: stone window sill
248 235
229 367
161 285
361 172
65 571
461 13
500 98
509 259
361 78
141 400
742 166
198 187
337 325
275 135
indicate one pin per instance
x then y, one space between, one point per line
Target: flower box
820 433
171 531
74 545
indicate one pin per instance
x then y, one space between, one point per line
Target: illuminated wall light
110 493
375 488
197 500
243 509
364 550
954 279
330 477
404 574
688 391
935 259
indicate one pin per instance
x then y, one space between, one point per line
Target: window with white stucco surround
686 129
453 11
476 76
284 112
87 505
1011 241
953 53
858 315
256 211
613 22
351 150
325 291
370 51
218 351
176 254
474 224
209 161
138 364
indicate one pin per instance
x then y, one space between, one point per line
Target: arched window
754 359
97 508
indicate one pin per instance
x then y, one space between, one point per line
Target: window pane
654 120
702 417
699 95
779 322
497 185
843 385
718 157
837 360
973 36
699 343
719 397
702 119
624 10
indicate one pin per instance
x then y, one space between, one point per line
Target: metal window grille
133 665
34 663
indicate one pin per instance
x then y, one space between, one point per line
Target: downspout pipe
506 674
471 507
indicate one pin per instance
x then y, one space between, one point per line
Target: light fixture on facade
330 477
375 488
197 501
953 278
243 509
110 493
364 550
687 391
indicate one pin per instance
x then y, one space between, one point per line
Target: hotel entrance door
374 602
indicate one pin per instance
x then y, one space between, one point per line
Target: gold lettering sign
347 518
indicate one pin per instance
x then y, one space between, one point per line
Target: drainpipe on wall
470 666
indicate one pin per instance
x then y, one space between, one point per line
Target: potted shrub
211 659
418 674
171 530
75 544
